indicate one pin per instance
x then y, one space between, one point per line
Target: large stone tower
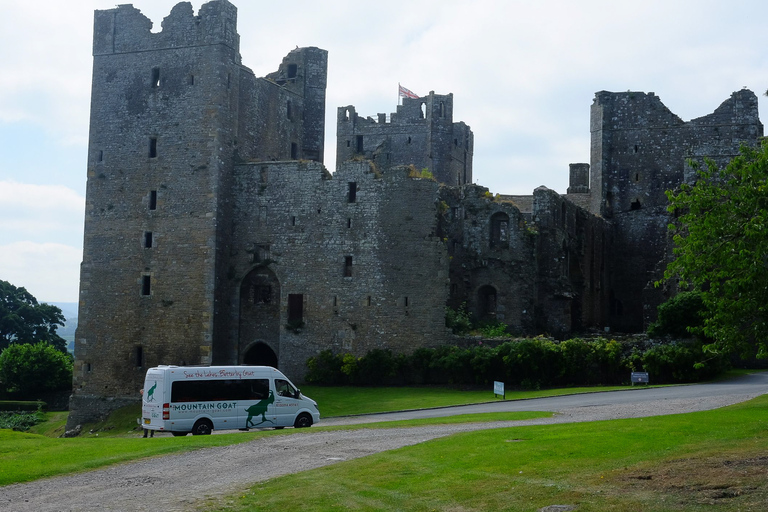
171 112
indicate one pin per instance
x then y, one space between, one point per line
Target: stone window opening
155 78
153 147
349 223
499 230
352 192
293 70
636 204
409 140
486 298
442 109
637 177
295 308
138 356
335 301
100 157
293 220
146 285
261 294
406 302
359 143
191 80
88 367
423 110
349 143
346 118
347 266
456 142
264 174
294 151
368 301
636 148
261 253
153 199
148 240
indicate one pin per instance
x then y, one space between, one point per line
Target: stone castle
215 235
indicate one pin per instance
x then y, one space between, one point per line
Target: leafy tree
721 249
27 369
24 320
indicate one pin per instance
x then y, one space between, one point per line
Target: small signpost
498 389
639 378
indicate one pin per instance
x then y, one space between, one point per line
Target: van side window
216 390
284 388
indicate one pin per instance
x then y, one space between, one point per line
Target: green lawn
714 460
345 401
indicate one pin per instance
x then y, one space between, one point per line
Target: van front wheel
304 420
202 428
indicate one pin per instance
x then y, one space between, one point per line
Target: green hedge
21 405
528 363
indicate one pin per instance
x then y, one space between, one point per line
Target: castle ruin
215 235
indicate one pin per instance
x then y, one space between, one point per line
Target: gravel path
181 482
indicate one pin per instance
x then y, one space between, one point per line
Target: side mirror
298 393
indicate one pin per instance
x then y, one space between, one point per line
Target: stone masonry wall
369 269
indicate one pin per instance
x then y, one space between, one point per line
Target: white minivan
199 399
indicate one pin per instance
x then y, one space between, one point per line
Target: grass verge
713 460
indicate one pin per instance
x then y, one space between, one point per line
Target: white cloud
48 271
40 213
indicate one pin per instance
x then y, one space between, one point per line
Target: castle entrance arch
260 354
259 338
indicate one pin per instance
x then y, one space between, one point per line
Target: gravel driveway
181 482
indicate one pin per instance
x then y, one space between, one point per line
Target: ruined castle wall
282 115
571 270
369 269
492 260
639 151
421 133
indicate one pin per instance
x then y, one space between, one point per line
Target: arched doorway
259 354
259 318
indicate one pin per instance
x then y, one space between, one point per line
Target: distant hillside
69 309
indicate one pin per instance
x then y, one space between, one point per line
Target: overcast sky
523 75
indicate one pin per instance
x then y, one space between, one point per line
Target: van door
286 402
259 410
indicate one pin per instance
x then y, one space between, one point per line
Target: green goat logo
259 407
151 393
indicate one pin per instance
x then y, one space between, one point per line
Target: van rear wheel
202 428
304 420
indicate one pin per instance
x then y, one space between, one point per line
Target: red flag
407 93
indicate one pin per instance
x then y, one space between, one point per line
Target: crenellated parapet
125 29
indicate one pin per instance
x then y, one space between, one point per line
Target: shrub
20 420
376 367
27 370
325 369
678 315
458 320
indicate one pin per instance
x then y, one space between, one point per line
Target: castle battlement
125 29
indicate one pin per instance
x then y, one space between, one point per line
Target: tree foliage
24 320
721 249
27 369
